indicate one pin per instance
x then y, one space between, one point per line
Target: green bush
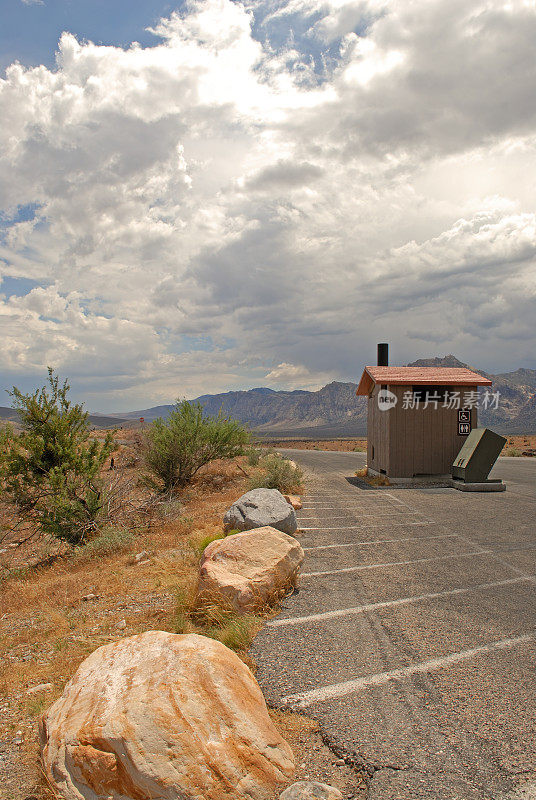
176 448
51 471
278 474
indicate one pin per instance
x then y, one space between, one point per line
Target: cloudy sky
203 196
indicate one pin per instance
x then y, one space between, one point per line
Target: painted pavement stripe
342 612
335 690
359 527
382 541
395 563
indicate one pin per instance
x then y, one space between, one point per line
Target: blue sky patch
30 31
17 287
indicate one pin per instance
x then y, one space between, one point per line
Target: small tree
176 448
51 470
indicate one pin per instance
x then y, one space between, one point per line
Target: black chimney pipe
383 354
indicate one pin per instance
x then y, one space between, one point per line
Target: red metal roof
419 376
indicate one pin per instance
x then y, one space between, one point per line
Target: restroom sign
464 416
464 428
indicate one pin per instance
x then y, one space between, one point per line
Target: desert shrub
176 448
51 470
278 473
512 451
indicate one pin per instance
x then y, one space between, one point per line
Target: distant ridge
95 420
335 411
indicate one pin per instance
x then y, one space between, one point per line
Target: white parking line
303 699
354 508
395 563
343 516
362 527
343 612
382 541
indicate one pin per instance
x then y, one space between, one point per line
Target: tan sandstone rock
250 569
294 501
166 716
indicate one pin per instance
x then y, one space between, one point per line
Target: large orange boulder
249 570
163 715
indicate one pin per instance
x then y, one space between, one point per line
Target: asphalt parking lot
412 638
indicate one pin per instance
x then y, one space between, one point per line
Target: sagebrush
176 448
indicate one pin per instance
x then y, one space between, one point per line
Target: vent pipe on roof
383 355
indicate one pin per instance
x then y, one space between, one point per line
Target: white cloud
278 184
295 376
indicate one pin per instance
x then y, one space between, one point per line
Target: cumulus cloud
295 376
275 183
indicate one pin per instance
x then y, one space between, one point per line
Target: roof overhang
419 376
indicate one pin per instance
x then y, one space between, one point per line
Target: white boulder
166 716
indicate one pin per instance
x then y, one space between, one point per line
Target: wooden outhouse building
418 417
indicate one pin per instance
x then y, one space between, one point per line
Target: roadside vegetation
50 472
118 555
176 448
278 473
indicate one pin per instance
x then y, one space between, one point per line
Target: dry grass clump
378 480
213 617
278 473
372 480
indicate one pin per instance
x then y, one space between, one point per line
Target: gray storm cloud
267 191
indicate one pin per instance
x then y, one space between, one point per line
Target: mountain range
335 411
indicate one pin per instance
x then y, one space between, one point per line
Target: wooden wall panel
411 442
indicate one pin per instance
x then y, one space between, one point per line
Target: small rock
340 762
139 557
310 790
141 563
41 687
90 596
294 501
122 624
